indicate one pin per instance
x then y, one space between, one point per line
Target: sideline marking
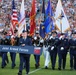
35 70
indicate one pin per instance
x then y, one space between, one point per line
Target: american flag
14 14
14 17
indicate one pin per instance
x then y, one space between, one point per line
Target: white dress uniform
46 56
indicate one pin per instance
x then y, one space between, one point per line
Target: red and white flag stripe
14 17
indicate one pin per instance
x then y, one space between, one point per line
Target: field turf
41 71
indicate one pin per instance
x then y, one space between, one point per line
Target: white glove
34 44
41 41
52 47
62 48
51 37
60 37
35 38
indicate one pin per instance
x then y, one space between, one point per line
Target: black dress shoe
46 67
4 66
19 73
36 66
53 68
59 68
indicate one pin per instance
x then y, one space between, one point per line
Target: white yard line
35 71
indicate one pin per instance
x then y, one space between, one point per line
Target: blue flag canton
13 4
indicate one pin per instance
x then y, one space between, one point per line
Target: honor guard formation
52 44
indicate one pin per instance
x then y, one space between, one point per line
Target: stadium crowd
6 10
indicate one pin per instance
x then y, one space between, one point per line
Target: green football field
41 71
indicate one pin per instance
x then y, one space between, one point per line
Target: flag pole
61 25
